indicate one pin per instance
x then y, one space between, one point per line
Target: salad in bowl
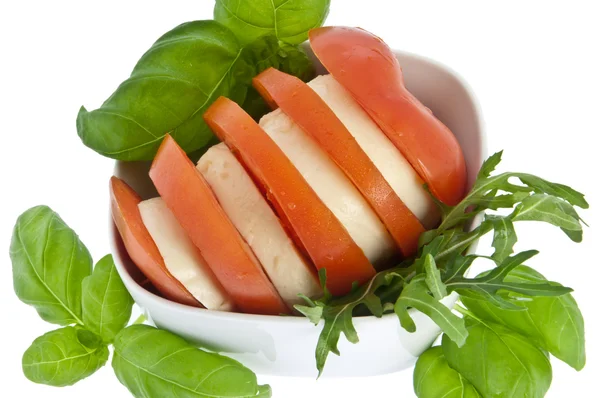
280 195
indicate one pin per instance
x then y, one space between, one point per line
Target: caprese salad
349 198
334 178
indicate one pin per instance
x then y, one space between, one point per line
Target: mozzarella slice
182 258
258 225
332 186
387 158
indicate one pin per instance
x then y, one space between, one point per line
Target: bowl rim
159 301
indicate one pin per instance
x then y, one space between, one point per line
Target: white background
533 65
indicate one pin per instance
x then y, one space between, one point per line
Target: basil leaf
106 302
499 362
155 363
169 89
64 356
49 262
434 378
288 20
416 295
172 85
288 59
554 323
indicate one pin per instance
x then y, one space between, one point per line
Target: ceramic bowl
285 346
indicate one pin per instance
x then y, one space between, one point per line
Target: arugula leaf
106 302
64 356
483 196
433 279
542 207
505 237
337 312
155 363
415 295
49 262
288 20
487 286
444 248
555 323
434 378
497 361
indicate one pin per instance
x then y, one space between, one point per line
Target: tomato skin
369 70
315 228
306 108
139 244
195 207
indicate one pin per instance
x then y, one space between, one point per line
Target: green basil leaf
106 302
155 363
64 356
49 262
555 323
293 60
288 59
434 378
171 86
500 362
416 295
288 20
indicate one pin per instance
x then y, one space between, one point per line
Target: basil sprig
172 85
52 271
288 20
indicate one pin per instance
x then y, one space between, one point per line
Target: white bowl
285 345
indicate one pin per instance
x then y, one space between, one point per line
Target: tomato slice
315 227
306 108
139 244
193 204
369 70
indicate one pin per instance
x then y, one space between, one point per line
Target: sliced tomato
315 227
369 70
194 205
139 244
306 108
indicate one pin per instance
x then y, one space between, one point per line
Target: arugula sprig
443 260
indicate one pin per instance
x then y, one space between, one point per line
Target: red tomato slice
369 70
306 108
139 244
191 200
314 226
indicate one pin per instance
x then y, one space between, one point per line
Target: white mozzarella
332 186
182 258
387 158
259 226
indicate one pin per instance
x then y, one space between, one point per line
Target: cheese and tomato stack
332 179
